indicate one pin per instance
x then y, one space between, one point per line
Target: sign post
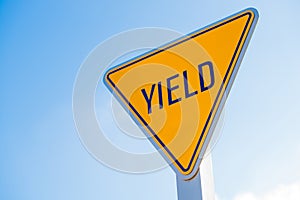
176 92
189 189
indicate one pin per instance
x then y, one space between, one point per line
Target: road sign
175 93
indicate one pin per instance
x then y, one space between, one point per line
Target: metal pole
189 189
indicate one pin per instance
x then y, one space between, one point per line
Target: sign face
175 93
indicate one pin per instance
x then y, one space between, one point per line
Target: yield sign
175 93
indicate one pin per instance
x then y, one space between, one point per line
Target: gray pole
189 190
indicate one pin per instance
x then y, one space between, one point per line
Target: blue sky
42 45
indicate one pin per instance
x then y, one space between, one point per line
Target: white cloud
286 192
246 196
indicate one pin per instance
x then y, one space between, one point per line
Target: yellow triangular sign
175 93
